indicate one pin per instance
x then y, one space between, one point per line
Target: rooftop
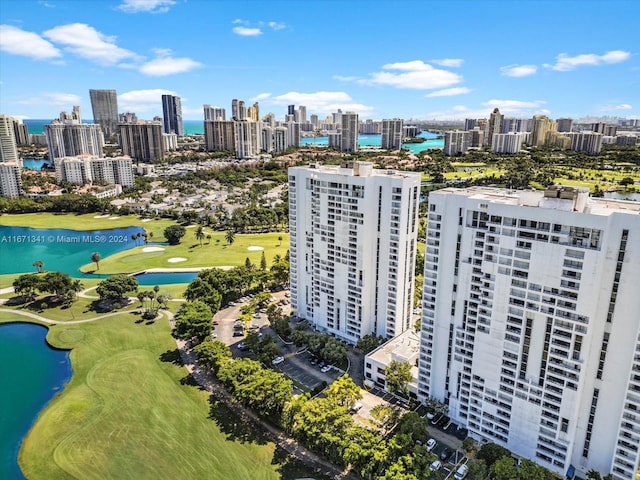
556 197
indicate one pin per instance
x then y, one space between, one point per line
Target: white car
461 472
277 360
325 369
435 466
431 444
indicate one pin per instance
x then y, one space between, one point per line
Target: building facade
88 169
530 326
104 104
219 135
69 138
142 140
349 132
10 180
352 248
172 115
392 134
590 142
8 146
214 113
507 142
456 142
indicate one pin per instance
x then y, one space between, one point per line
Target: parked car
431 444
435 466
461 472
277 360
242 346
445 454
356 407
325 369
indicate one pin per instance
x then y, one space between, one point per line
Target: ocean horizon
196 127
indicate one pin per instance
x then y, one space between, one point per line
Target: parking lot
298 368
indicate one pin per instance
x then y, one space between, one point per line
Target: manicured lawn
215 253
130 411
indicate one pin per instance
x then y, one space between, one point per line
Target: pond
32 374
59 249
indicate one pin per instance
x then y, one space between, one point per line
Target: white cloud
449 62
518 70
622 106
150 6
53 98
512 108
277 25
168 66
344 78
261 96
20 42
414 74
85 41
565 63
320 102
512 105
142 100
449 92
246 32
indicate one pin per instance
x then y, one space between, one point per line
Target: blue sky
381 59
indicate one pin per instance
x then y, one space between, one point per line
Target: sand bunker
254 248
153 249
101 216
114 218
177 260
146 219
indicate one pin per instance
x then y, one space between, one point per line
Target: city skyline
410 61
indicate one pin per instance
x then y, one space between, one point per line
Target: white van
461 472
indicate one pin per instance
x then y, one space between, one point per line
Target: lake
61 250
31 374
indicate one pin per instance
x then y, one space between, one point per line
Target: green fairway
213 253
130 411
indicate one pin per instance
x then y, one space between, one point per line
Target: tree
385 415
626 181
398 376
230 236
279 240
344 392
504 469
263 262
27 285
200 234
116 287
174 233
532 471
38 264
95 257
213 354
193 320
369 343
490 453
477 469
56 283
468 444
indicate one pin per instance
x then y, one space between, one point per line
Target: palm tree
200 234
230 236
280 240
95 257
38 264
76 286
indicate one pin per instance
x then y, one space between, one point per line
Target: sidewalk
274 433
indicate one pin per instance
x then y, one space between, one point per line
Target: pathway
204 380
276 435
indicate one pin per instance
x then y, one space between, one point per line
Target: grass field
215 253
130 411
